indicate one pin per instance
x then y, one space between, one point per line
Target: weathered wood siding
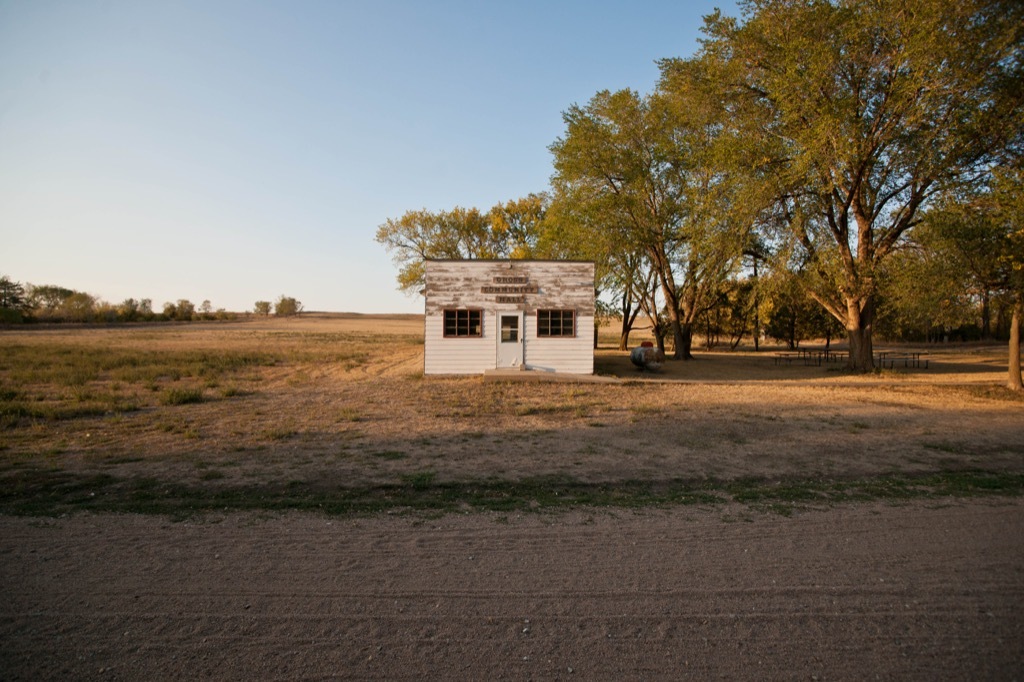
459 355
485 285
573 355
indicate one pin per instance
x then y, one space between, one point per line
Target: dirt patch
912 592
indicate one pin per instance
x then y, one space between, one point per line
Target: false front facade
509 314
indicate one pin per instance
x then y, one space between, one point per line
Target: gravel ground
918 591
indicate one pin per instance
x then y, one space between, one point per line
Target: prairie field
333 412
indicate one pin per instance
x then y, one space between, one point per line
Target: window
556 323
463 323
509 328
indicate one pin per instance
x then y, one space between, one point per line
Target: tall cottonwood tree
639 167
862 112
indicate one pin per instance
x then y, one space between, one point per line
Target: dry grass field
292 499
333 411
335 406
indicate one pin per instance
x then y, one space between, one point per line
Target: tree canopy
982 235
287 306
638 173
13 301
865 111
508 230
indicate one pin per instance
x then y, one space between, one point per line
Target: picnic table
808 357
834 355
908 358
886 359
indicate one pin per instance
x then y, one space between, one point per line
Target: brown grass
340 401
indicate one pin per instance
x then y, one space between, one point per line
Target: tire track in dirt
910 592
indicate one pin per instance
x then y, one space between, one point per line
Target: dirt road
858 592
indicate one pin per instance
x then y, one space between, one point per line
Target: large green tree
860 113
923 294
581 230
639 168
508 230
983 235
46 299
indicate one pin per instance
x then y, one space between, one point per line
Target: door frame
511 354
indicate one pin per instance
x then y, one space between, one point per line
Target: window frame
468 313
501 328
561 312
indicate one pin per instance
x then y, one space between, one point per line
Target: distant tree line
50 303
285 306
818 169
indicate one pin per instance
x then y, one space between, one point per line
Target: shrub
286 306
9 316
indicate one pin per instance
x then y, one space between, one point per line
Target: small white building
515 314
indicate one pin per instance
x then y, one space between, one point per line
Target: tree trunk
688 318
986 316
757 331
1014 382
676 327
629 315
859 321
625 329
659 337
668 290
684 341
757 318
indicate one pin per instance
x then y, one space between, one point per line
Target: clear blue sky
236 151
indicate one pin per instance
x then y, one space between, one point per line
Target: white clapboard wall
485 285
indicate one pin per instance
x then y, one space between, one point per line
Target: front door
510 339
